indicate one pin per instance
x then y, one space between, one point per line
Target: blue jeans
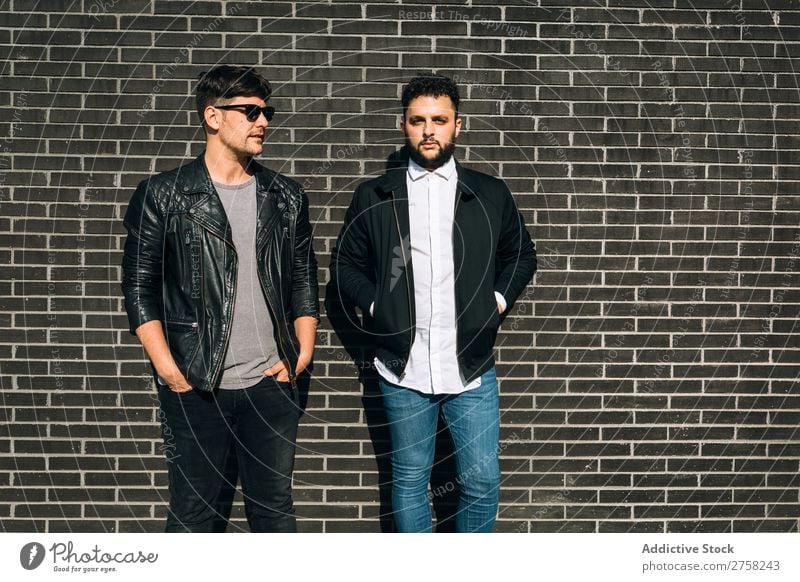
198 429
473 419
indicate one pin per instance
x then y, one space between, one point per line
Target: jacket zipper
408 287
195 324
229 314
292 375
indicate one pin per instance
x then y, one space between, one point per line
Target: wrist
169 372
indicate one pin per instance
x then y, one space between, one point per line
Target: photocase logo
31 555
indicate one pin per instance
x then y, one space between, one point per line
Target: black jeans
197 428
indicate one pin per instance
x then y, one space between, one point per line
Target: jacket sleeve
516 253
142 259
351 267
305 290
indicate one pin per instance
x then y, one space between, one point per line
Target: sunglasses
251 111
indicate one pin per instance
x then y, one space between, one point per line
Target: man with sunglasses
220 286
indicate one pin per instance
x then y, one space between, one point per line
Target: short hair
430 85
227 82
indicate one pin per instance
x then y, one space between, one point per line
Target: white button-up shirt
432 366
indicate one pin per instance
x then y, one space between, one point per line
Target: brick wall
648 377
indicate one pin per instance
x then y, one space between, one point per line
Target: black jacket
492 251
179 265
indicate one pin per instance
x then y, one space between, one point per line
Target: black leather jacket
179 265
492 251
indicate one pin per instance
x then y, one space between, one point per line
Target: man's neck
225 169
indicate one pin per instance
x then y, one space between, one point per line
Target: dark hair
227 82
430 85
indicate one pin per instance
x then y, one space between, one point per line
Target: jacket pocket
183 338
384 312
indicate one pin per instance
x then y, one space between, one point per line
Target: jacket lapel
208 210
466 188
270 204
394 185
465 193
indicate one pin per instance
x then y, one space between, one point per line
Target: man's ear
458 124
212 117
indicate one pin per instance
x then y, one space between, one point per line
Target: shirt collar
447 171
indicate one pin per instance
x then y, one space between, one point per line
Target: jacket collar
195 179
208 210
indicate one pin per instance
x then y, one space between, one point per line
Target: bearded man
437 254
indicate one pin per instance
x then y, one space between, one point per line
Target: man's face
431 128
238 135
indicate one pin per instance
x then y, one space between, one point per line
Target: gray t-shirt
252 347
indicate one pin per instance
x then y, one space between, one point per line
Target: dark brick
660 326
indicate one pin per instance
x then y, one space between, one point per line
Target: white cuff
501 301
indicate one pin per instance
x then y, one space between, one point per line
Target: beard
441 158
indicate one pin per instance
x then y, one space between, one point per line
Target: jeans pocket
291 392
